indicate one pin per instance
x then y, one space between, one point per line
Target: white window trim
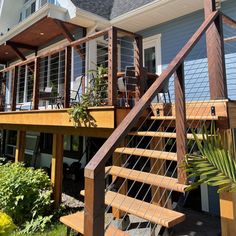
154 41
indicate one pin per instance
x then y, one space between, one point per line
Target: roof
110 8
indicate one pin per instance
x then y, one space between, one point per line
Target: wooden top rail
228 21
98 162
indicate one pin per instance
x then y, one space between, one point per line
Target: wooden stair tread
188 117
76 222
162 134
148 153
156 214
148 178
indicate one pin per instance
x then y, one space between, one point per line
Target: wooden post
2 91
138 63
180 111
95 205
112 66
67 77
20 146
57 168
14 89
36 84
215 54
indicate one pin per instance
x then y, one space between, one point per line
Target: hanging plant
215 164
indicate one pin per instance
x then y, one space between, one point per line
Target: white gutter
47 10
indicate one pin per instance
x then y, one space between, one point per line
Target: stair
163 134
156 214
76 222
171 156
147 178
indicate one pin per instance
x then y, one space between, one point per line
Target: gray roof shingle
110 8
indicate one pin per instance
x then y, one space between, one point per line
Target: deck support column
57 167
181 124
215 54
20 146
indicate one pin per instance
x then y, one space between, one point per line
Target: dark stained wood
67 34
18 53
22 45
138 63
57 167
67 77
229 21
215 53
36 84
14 89
112 66
180 111
94 205
20 146
101 157
2 91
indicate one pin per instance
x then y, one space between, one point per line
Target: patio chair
75 92
126 85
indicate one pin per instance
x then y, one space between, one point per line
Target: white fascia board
149 6
92 18
48 10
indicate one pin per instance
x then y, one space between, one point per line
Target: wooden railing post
67 77
36 84
180 111
112 66
138 64
14 89
2 91
215 54
95 205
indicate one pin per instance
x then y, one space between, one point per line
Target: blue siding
175 34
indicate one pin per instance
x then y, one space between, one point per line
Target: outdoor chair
75 92
126 85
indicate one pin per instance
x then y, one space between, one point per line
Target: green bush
6 224
25 193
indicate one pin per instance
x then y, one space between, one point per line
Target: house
48 49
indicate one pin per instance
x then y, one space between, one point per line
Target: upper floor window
31 6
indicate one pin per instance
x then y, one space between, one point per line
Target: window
152 54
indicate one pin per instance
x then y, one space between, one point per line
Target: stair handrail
101 157
95 169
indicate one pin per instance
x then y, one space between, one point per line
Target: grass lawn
56 230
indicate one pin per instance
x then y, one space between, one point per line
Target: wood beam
67 34
20 146
67 77
215 54
18 53
181 124
21 45
112 66
57 167
229 21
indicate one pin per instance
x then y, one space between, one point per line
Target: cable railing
142 136
58 78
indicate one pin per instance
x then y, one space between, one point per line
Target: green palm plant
214 165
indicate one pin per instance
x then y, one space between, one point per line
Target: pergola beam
67 34
22 45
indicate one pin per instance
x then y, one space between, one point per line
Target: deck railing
95 170
57 77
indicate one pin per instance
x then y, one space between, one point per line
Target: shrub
6 224
25 193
